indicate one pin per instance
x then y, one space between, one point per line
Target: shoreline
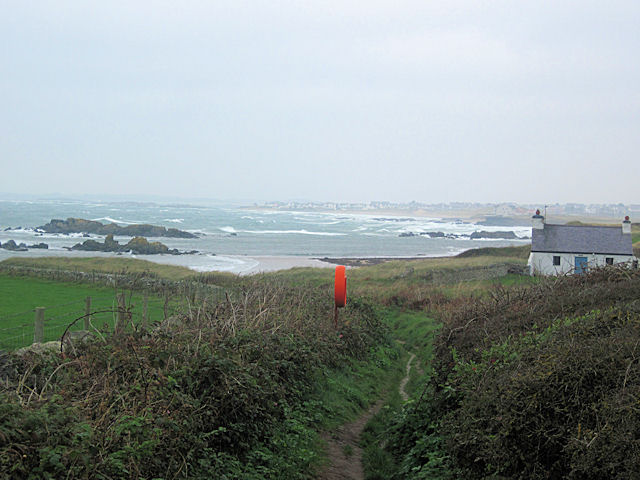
370 261
242 265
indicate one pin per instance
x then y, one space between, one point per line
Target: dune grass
104 265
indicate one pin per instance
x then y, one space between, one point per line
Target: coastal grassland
401 282
236 389
64 302
103 265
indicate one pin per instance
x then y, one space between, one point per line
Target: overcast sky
328 100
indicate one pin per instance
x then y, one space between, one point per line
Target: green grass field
63 302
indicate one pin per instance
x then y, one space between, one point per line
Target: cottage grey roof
581 239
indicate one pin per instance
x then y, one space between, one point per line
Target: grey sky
327 100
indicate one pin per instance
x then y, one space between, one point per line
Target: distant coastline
467 215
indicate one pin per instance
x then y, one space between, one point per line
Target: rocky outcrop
137 245
142 246
41 245
80 225
11 245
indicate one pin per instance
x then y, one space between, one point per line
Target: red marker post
340 291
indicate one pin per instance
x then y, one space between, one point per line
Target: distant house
561 249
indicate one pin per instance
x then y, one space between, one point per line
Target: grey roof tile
581 239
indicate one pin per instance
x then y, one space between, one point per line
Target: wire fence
164 298
95 313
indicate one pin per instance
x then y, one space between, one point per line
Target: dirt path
343 451
404 381
345 456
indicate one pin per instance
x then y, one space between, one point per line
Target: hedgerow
221 391
532 383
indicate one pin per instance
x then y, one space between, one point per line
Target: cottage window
556 259
609 260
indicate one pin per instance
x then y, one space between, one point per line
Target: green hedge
229 391
532 383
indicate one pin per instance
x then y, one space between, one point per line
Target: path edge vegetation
335 375
470 337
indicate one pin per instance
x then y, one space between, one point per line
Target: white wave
228 229
21 230
293 232
112 220
174 220
328 223
248 217
225 264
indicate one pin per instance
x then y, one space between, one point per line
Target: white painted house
562 249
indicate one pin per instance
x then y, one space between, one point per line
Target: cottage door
581 264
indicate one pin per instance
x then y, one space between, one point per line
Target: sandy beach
271 264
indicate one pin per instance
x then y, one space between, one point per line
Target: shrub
532 383
221 391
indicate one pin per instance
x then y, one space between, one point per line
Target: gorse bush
556 404
224 390
532 383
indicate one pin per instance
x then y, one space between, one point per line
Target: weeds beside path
343 450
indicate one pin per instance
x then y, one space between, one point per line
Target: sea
242 240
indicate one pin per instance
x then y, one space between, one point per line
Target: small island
22 247
137 245
80 225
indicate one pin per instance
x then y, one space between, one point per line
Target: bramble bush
224 390
532 383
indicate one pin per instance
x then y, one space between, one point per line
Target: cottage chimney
626 225
538 221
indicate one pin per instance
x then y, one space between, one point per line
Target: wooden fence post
166 305
87 313
145 310
121 313
38 326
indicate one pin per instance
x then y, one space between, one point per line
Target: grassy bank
235 389
103 265
536 382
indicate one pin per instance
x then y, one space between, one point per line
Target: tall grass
232 389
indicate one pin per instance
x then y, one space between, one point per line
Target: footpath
343 450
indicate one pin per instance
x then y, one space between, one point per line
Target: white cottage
561 249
